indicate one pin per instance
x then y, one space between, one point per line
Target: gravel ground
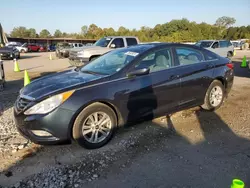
191 148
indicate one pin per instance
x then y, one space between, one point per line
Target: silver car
223 48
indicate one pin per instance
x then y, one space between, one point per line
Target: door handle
173 77
209 65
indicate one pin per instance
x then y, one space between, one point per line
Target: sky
70 15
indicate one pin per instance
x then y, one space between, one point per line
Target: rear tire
214 97
92 124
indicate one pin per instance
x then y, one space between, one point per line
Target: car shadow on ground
28 56
221 156
239 71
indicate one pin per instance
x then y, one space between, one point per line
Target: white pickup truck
80 56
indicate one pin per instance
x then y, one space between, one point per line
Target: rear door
223 48
195 75
131 41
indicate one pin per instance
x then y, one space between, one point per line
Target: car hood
88 48
52 84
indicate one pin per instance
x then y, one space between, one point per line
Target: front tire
214 97
94 126
229 55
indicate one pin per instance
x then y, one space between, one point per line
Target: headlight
49 104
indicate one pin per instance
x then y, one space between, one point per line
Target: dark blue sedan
125 85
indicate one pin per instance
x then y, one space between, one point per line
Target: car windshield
103 42
204 44
112 62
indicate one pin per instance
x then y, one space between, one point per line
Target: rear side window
210 55
131 41
80 45
188 56
223 44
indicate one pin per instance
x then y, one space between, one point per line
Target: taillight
230 65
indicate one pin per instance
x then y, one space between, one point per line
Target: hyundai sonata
87 104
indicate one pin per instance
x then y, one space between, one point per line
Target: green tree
32 33
57 33
19 32
44 33
84 30
225 21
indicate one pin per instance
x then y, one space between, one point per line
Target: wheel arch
119 118
222 80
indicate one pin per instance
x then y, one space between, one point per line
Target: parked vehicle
223 48
52 48
13 44
63 49
21 49
9 52
42 48
33 47
129 84
81 56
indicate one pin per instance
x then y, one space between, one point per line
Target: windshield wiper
92 72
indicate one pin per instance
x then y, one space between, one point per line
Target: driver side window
215 45
156 61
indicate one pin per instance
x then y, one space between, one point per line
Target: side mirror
112 46
138 72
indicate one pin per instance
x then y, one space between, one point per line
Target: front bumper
57 123
6 55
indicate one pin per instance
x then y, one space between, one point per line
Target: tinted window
118 43
156 61
210 55
80 45
223 44
215 45
188 56
131 41
204 44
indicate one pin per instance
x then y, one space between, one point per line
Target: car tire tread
77 127
207 106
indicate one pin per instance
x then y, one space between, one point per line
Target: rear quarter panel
223 73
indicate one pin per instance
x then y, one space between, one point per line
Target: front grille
73 54
21 103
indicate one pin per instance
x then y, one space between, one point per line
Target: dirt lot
191 148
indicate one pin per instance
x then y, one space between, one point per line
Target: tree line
174 31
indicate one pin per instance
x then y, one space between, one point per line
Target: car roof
162 44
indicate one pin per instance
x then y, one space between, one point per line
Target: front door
195 74
154 94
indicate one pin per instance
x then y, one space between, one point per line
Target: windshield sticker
108 38
132 53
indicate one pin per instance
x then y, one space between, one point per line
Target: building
48 41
